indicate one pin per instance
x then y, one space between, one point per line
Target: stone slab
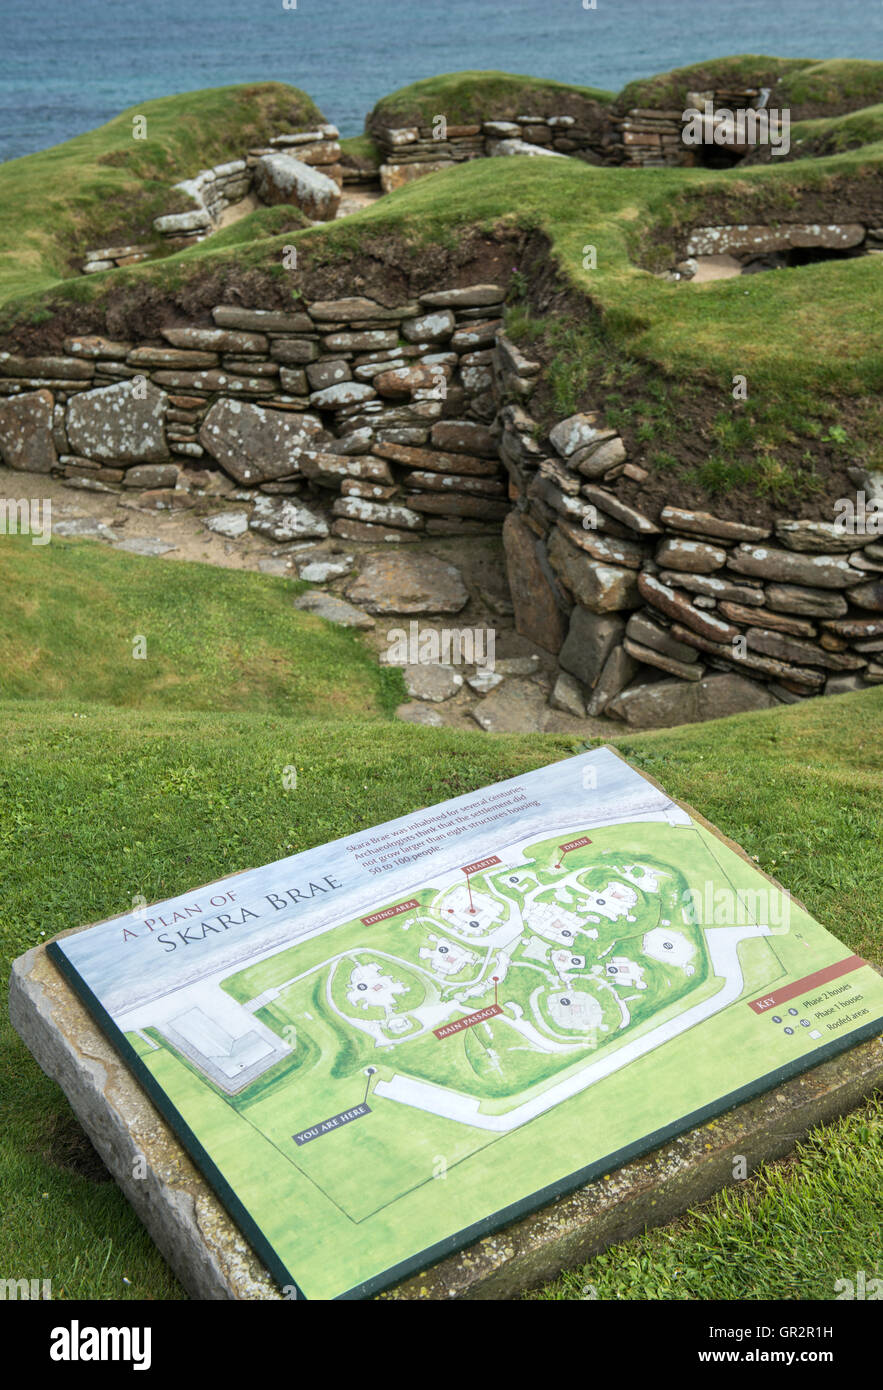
183 1216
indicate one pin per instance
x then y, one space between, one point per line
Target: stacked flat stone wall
645 137
381 412
216 189
213 191
409 152
676 615
386 423
638 137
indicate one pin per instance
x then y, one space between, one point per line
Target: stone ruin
384 423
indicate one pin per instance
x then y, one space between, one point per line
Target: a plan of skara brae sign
383 1048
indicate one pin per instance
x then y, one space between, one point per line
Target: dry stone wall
300 167
388 423
379 415
409 152
638 137
682 616
648 137
214 190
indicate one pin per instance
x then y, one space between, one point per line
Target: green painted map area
583 956
366 1112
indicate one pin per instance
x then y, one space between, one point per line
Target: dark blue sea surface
69 65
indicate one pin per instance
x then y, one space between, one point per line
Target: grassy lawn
102 803
831 134
215 639
838 83
790 1232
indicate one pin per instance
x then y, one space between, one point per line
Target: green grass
360 149
789 1232
263 222
464 98
836 82
831 135
121 777
806 339
839 83
105 186
216 639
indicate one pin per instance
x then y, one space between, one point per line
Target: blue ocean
66 67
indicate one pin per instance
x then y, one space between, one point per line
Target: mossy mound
106 187
464 98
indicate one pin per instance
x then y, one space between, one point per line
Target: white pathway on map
723 945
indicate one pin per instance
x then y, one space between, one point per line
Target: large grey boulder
793 567
122 423
431 681
617 671
600 587
540 606
590 640
760 240
284 520
515 707
821 537
255 445
578 432
26 439
280 178
408 583
152 475
660 704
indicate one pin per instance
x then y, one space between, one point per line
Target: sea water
67 67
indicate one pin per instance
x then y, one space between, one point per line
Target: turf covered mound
464 97
592 248
108 185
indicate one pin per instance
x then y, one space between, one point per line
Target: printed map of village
377 1053
395 1045
558 958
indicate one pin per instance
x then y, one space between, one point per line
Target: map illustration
376 1086
531 971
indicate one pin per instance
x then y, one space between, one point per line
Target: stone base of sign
213 1260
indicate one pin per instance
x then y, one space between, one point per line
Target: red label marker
808 983
409 906
482 864
475 868
468 1022
571 844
